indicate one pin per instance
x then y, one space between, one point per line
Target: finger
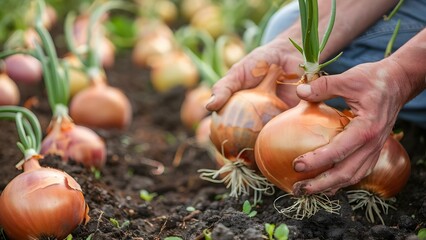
233 81
339 147
344 174
323 88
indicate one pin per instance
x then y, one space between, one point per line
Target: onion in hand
303 128
234 129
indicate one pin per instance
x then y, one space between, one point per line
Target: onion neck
311 71
30 161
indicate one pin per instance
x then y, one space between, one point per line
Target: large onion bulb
234 129
41 202
296 131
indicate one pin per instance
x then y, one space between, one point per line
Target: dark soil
185 205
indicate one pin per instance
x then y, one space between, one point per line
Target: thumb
320 89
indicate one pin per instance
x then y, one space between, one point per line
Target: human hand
240 76
375 92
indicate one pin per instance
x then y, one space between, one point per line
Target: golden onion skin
236 126
391 172
42 202
101 106
296 131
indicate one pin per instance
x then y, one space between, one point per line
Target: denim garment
368 47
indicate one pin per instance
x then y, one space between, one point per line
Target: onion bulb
175 69
190 7
193 109
299 130
9 92
155 40
41 202
101 106
24 68
102 46
78 79
209 19
234 129
233 51
74 142
386 180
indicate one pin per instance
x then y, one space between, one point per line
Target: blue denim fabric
369 47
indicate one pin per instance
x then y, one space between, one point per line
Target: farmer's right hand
240 76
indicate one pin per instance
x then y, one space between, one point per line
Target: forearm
411 58
352 19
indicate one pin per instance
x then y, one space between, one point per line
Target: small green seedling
422 234
117 224
173 238
247 209
90 237
69 237
96 173
279 233
147 196
207 234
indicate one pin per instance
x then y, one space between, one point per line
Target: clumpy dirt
185 205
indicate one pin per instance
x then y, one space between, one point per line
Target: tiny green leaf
422 234
281 233
269 228
145 195
252 213
173 238
246 207
114 222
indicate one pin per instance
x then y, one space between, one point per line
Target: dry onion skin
234 129
302 128
42 202
376 192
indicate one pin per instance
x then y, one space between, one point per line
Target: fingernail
299 167
211 99
304 90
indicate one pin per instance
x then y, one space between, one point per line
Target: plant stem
28 127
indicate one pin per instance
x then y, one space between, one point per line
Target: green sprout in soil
207 234
173 238
279 233
147 196
422 234
248 209
117 224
